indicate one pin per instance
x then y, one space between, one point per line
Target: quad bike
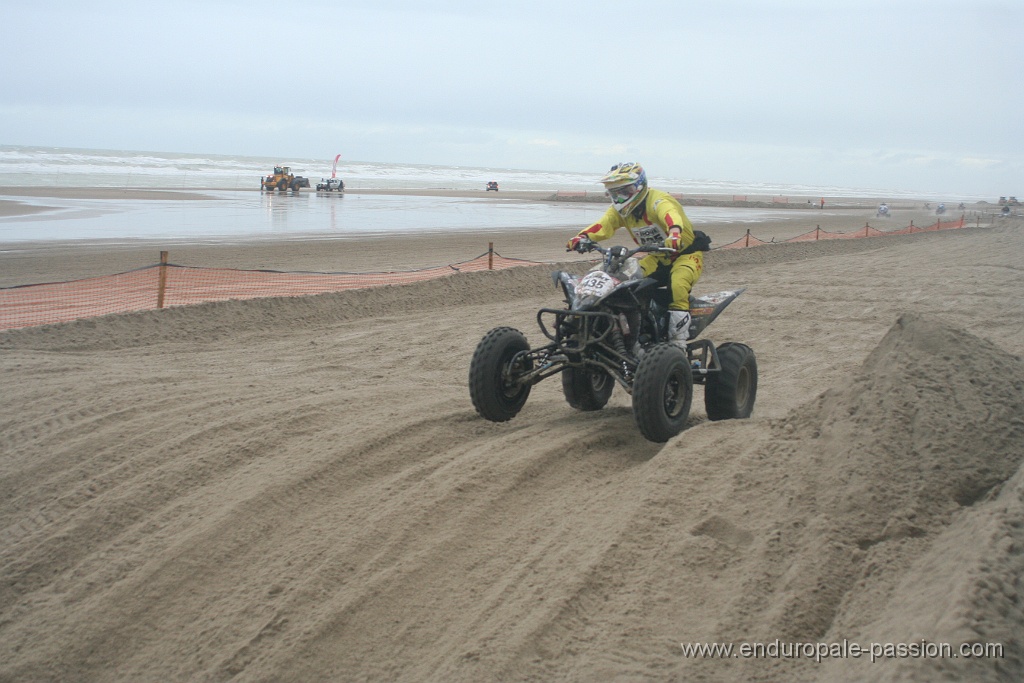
614 330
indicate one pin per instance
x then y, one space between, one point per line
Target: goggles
622 194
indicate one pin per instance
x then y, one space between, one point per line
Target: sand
300 489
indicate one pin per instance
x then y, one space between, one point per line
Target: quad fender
630 290
646 283
568 283
704 309
638 289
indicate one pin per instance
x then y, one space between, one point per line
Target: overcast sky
915 95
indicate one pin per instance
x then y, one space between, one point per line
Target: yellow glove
674 239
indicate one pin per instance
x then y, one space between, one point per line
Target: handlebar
585 245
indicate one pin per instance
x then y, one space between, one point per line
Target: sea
238 212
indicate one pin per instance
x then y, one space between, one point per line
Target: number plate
596 284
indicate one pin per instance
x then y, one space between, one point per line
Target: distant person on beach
823 202
653 217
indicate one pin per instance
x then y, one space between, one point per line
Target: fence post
490 256
162 286
866 227
748 238
817 231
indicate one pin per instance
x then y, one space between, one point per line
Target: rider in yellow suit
651 217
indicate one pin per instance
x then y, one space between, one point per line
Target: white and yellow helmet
626 185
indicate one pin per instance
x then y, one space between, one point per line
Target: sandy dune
300 489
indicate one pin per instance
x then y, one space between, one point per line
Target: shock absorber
619 344
617 340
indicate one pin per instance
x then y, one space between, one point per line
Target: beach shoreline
595 196
32 262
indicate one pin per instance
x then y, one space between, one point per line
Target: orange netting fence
167 284
867 231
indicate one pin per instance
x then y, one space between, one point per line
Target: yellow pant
683 273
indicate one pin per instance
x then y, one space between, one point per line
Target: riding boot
679 328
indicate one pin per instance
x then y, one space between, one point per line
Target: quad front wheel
662 392
730 393
493 371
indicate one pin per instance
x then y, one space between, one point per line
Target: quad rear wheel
587 389
730 393
662 392
493 371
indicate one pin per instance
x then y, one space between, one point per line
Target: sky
901 94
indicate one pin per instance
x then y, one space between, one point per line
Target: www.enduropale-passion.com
921 649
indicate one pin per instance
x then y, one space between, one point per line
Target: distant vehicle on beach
883 210
334 182
330 185
282 179
492 185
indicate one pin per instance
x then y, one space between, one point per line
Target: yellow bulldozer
282 179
